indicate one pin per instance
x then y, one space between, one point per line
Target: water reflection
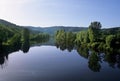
26 46
83 51
93 62
95 57
5 50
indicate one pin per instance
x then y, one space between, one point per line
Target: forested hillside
14 37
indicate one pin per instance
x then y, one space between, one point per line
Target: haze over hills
53 29
50 30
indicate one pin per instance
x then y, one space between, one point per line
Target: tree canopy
95 25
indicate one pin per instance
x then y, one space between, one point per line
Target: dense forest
95 38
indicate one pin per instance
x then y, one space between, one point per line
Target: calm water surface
47 63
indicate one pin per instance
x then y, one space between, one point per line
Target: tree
94 31
70 38
82 37
26 41
95 25
65 40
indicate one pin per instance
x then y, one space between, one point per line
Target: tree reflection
83 51
25 47
113 58
64 40
65 46
14 45
93 58
93 62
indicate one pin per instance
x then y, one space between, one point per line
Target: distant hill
53 29
49 30
112 30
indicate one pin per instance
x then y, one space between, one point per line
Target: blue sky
61 12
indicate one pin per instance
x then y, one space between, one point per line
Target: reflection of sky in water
46 63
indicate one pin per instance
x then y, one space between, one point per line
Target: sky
47 13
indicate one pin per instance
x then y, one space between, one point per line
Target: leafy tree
94 31
82 37
25 40
60 37
95 25
65 40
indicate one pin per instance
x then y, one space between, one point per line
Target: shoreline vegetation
93 39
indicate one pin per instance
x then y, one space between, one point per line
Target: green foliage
15 42
110 40
60 36
82 37
102 46
39 37
25 40
26 35
92 36
65 40
99 39
70 38
60 39
5 34
94 31
95 45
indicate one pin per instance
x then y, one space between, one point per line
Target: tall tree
95 25
26 42
94 31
